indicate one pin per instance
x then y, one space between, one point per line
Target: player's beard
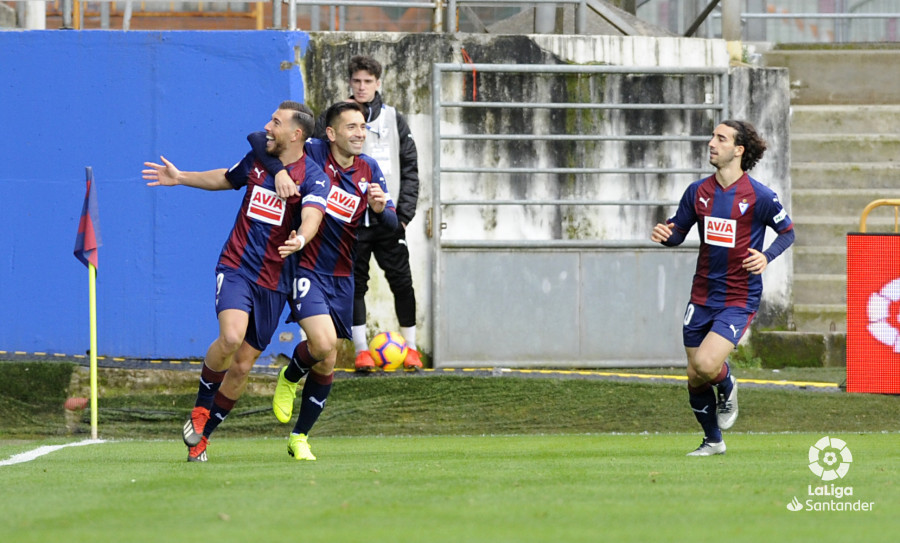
278 147
722 160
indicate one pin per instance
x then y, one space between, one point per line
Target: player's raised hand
661 232
285 186
294 243
756 262
165 174
377 198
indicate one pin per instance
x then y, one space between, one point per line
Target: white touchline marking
45 449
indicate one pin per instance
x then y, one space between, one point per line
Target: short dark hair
336 109
362 62
745 135
302 115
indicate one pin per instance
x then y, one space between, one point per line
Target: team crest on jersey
363 185
341 204
743 205
265 206
721 232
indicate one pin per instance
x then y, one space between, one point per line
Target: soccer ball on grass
389 350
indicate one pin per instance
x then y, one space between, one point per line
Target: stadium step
838 202
825 259
804 349
845 147
816 318
874 176
846 119
820 288
853 77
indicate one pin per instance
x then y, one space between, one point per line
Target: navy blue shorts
320 294
728 322
234 291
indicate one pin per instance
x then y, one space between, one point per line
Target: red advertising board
873 313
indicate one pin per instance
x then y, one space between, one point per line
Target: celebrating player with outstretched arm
731 211
252 279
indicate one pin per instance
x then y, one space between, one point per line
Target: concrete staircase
842 158
845 152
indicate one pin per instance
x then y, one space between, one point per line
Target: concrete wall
761 96
113 100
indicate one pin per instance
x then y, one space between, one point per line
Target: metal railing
453 8
73 12
436 6
783 22
841 29
438 168
754 25
878 203
540 153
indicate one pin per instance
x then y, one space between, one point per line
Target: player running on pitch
731 211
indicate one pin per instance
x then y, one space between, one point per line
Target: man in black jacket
388 141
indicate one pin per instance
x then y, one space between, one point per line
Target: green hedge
32 396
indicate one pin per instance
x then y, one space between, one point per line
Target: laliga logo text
829 459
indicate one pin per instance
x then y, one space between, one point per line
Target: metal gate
533 265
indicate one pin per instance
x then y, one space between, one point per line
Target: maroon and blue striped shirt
730 221
333 249
264 220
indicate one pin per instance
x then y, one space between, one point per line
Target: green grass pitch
559 488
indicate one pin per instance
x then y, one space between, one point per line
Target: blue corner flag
88 239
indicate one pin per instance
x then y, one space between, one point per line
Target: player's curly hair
745 134
369 64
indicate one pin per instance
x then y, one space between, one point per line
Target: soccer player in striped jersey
323 281
731 211
252 279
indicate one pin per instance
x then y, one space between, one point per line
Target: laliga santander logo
879 311
824 461
830 459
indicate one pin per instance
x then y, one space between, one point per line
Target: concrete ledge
845 175
800 349
840 76
817 317
845 119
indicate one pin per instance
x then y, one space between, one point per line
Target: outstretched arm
167 175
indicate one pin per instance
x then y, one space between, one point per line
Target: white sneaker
727 407
708 449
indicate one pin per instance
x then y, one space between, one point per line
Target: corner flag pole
86 244
92 301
